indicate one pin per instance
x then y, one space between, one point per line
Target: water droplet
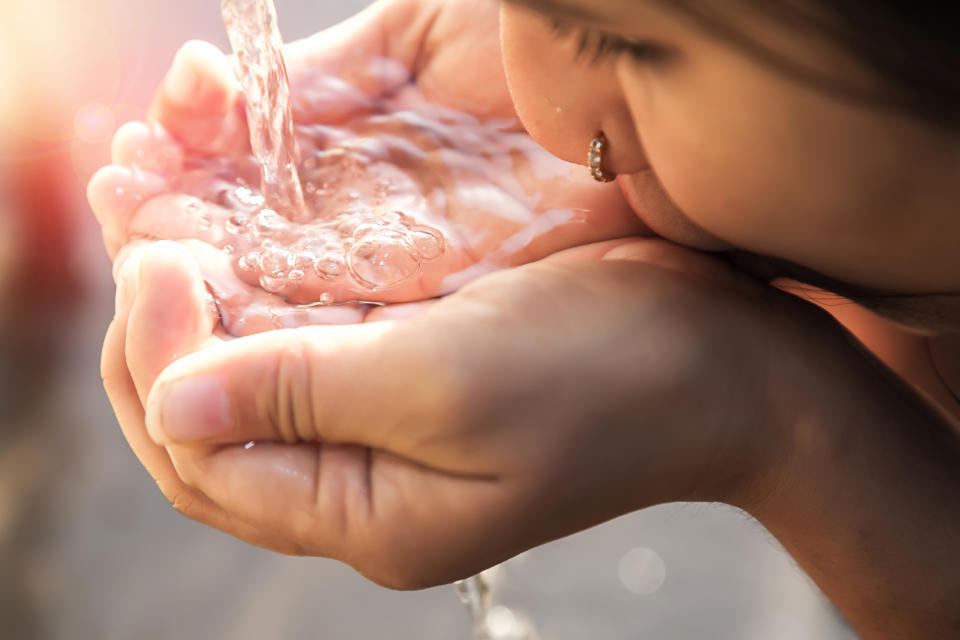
328 266
205 223
429 242
249 445
326 298
228 249
272 284
310 188
642 571
383 261
235 224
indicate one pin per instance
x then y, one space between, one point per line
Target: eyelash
598 47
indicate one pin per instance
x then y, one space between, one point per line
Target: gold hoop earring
595 160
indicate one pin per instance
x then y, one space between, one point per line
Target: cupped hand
416 91
535 402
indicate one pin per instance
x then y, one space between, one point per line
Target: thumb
322 436
358 384
198 101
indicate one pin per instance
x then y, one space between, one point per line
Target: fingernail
190 410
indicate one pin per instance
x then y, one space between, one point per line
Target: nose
564 100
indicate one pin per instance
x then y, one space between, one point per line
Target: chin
653 205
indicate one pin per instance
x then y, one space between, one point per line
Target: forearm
869 505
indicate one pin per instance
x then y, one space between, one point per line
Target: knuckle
291 410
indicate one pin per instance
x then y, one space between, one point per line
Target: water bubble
228 249
395 218
329 266
429 242
249 262
235 224
301 260
346 225
273 284
269 223
205 223
326 298
226 199
296 276
383 261
310 188
274 263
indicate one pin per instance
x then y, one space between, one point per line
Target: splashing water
375 247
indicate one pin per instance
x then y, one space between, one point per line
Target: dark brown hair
911 47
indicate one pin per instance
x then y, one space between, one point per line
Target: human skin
545 399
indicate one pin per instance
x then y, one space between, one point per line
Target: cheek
562 102
729 166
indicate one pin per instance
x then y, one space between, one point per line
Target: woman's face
718 148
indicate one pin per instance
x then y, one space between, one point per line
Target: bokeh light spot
94 123
642 571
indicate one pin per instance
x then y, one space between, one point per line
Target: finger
115 193
374 51
148 147
198 102
124 399
171 316
400 524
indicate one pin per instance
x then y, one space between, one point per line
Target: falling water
255 38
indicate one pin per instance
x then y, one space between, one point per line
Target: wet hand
500 200
535 402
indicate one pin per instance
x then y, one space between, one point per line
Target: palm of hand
374 141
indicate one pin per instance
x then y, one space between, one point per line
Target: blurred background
90 549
